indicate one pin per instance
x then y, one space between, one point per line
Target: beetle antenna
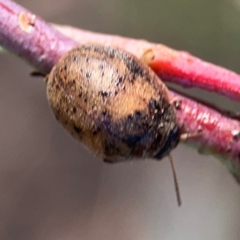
175 180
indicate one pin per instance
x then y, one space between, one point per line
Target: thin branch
41 45
173 66
28 36
215 133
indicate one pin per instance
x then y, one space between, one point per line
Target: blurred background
52 188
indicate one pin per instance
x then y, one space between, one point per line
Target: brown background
52 188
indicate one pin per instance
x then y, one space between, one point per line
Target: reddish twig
215 133
173 66
28 36
31 38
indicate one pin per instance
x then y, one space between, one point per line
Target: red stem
215 133
28 36
173 66
34 40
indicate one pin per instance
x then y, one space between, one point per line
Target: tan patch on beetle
112 102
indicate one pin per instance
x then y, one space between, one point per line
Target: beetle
113 103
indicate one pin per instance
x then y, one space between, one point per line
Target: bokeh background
52 188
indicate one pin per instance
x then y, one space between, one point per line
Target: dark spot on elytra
57 86
148 79
132 140
103 94
129 117
74 58
135 69
96 131
156 142
77 129
137 113
74 109
110 148
71 83
85 100
80 94
104 113
95 48
119 80
112 53
154 104
102 74
87 60
88 75
106 119
100 66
